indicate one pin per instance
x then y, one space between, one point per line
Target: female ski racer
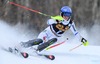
56 27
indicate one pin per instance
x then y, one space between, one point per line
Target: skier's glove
57 18
84 42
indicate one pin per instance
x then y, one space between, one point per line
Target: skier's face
66 17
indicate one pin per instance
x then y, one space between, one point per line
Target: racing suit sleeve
75 32
83 40
51 21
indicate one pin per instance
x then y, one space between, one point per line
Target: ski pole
56 45
24 7
75 47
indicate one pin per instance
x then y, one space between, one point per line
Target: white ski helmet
66 11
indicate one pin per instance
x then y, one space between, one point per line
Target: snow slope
10 36
82 55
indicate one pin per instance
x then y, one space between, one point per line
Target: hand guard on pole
57 18
84 42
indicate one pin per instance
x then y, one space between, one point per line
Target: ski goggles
66 14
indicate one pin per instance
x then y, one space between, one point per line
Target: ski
26 55
51 57
22 54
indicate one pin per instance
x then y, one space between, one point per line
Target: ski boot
18 48
13 50
17 52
